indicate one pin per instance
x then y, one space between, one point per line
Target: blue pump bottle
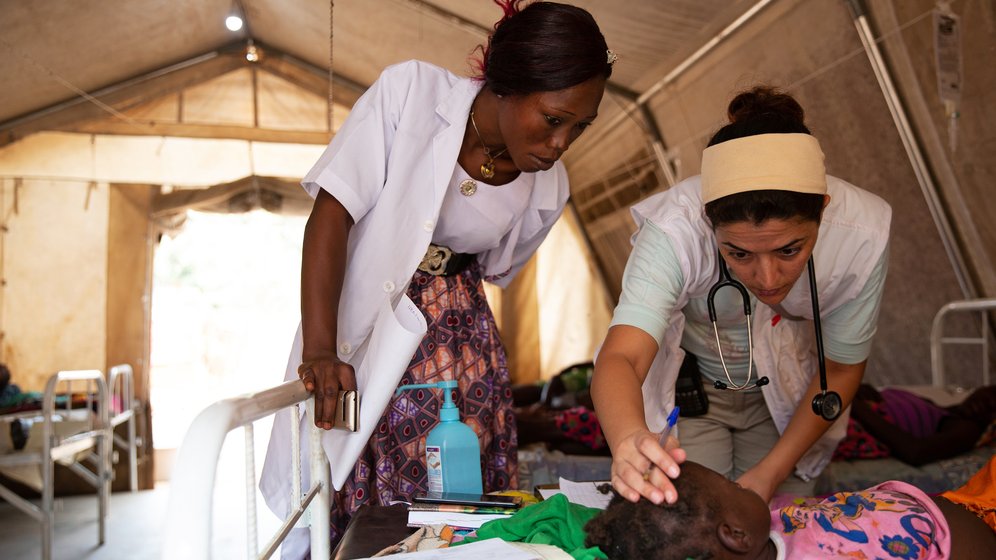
452 450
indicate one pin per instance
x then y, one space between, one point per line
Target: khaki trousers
735 435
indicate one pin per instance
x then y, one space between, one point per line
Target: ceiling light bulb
233 23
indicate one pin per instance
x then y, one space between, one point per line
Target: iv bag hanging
947 52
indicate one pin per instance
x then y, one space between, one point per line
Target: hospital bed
79 438
944 474
188 532
124 410
188 528
538 464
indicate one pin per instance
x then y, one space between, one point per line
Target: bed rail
96 436
938 340
120 382
189 515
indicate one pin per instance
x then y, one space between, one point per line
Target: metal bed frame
189 516
938 340
97 438
120 381
188 524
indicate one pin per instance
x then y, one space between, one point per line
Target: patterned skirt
462 343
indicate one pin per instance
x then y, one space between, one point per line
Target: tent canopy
94 82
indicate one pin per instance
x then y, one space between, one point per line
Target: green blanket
555 521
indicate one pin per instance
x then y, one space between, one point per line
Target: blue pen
672 419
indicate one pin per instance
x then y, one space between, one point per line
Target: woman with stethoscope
756 234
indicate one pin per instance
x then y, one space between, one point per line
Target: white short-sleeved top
477 223
652 283
391 166
854 234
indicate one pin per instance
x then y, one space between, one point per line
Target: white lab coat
853 235
390 165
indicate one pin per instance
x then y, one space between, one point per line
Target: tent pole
920 168
653 133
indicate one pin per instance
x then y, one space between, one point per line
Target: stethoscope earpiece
827 405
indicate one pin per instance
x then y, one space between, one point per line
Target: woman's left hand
760 481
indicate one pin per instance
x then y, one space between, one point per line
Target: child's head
713 518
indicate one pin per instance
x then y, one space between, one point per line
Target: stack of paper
462 515
453 519
490 549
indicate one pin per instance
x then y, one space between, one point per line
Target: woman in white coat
762 207
434 184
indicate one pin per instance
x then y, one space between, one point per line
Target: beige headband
781 162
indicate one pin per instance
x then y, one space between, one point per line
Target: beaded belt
442 261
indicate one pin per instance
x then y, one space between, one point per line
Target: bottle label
434 466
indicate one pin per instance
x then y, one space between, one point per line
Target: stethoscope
827 404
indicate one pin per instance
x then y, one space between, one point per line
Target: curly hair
644 531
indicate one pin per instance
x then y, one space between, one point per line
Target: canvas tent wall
813 50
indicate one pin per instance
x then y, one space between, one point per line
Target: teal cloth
554 521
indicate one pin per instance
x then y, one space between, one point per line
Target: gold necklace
488 167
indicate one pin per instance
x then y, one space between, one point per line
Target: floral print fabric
891 520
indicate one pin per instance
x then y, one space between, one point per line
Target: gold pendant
468 187
488 169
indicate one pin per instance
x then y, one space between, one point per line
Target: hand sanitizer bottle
452 450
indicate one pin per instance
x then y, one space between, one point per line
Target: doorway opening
225 307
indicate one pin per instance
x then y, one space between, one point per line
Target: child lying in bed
914 429
716 518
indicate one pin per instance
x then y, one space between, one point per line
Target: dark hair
545 46
644 531
763 110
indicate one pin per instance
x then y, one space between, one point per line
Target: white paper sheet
395 337
547 493
585 493
490 549
544 551
466 520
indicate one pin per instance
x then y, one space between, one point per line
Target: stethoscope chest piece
827 405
